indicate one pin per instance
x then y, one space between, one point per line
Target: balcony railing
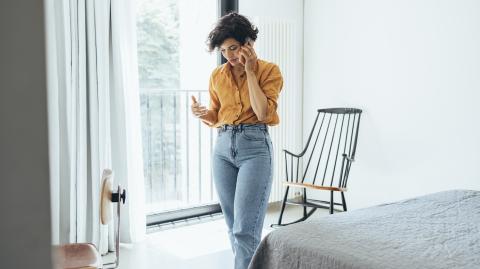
177 151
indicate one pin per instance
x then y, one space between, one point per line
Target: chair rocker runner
330 156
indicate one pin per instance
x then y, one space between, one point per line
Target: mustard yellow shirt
231 104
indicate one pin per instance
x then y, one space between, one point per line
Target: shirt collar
225 68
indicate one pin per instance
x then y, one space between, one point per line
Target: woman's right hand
197 109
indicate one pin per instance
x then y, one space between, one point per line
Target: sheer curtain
127 150
94 117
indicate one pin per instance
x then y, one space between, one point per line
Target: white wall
24 190
414 68
287 10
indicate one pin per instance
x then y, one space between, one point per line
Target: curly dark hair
232 25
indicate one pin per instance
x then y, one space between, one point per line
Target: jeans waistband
241 127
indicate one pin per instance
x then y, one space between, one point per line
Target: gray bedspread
440 230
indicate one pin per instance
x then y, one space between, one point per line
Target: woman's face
230 49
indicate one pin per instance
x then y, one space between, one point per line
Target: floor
198 244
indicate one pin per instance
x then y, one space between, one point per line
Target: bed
440 230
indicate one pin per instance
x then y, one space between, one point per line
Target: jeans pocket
254 135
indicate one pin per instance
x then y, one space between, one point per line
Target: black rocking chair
332 153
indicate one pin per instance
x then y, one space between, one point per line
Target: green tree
158 42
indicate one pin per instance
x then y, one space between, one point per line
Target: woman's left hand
250 57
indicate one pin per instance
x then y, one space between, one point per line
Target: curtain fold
127 154
84 129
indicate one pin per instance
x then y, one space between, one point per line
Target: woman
243 102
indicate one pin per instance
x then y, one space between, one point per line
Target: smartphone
247 41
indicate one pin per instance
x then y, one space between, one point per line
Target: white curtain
127 150
94 118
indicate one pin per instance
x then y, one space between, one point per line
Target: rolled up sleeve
271 86
214 105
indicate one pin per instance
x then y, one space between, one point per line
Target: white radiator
277 43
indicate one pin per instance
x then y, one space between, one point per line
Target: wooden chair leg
343 202
331 202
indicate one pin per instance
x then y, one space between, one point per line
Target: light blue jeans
242 172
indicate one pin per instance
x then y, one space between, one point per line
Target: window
173 65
